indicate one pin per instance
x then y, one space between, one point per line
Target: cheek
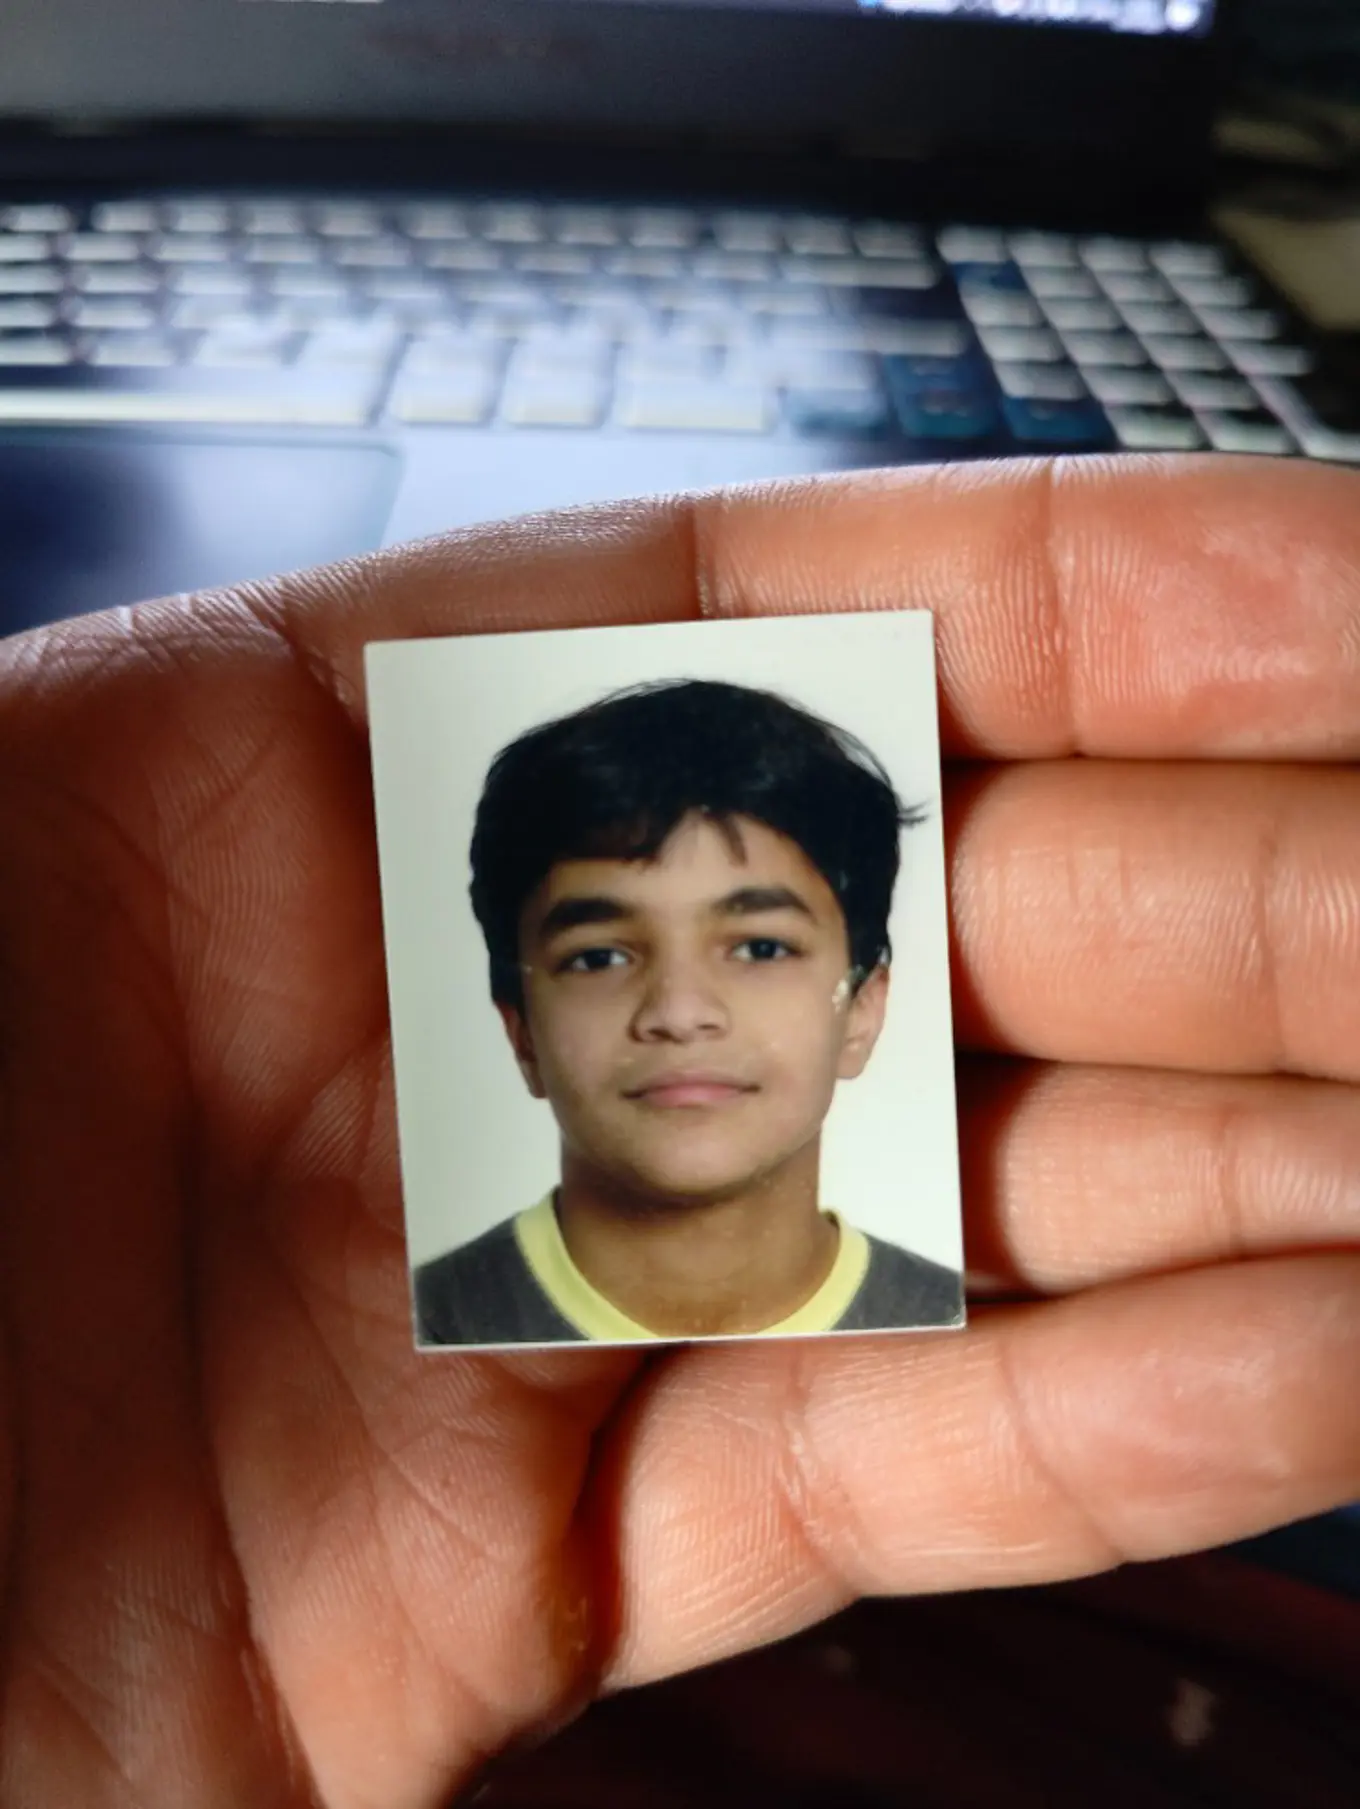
801 1034
578 1047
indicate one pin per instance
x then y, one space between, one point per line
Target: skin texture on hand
253 1549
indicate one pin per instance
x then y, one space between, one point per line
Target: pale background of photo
475 1148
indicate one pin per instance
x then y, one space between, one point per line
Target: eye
763 949
592 960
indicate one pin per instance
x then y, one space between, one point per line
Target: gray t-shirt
486 1293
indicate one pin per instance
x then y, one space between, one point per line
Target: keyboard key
1272 360
513 225
213 279
281 250
553 260
562 399
1093 350
1325 400
693 405
665 363
1216 291
197 217
833 334
189 248
1082 316
585 226
818 238
24 248
796 367
731 266
1156 429
1323 416
1256 432
197 311
355 342
947 414
663 229
1005 345
749 232
237 398
25 311
924 338
860 273
1182 258
1188 354
997 308
33 348
115 279
99 247
1204 390
306 284
36 216
30 279
1036 422
281 217
123 216
1136 286
719 328
346 220
942 399
470 257
888 239
1152 317
1062 285
111 311
146 351
371 254
972 245
1121 388
1241 323
1041 382
435 220
657 266
801 301
992 278
1105 254
1044 250
842 412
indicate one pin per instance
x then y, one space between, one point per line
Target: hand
254 1550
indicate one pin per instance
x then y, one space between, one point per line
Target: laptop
283 280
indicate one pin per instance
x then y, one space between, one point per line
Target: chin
697 1183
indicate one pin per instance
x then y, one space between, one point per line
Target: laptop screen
1112 92
1148 18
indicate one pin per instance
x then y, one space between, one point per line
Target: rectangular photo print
665 921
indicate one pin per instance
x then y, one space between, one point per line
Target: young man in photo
685 891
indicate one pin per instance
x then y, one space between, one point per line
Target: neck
689 1268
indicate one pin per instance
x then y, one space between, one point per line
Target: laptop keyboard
351 311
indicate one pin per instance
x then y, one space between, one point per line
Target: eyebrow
747 901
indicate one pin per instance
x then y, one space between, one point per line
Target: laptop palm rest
90 522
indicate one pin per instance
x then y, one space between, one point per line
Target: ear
522 1043
864 1022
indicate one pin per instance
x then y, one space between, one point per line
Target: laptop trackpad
88 523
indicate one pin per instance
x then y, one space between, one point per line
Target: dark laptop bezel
923 115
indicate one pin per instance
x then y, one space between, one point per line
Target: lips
693 1087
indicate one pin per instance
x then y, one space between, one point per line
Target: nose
679 1003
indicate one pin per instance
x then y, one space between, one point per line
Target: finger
1121 607
1167 915
761 1487
1076 1176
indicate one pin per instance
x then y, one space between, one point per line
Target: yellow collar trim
541 1244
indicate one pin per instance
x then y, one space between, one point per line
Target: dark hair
615 780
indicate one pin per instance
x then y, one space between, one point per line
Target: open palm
254 1550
